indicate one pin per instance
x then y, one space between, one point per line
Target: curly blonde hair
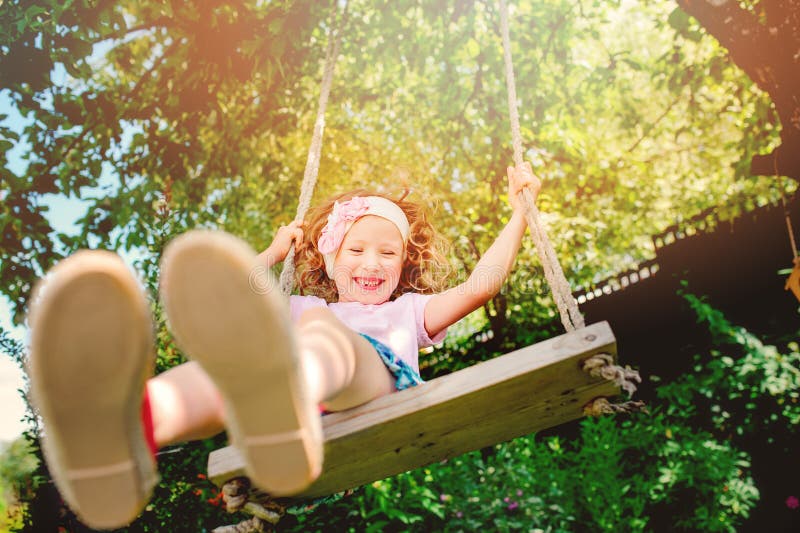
425 270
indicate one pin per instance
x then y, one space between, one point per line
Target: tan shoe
91 353
241 334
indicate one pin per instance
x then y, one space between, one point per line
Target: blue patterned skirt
404 375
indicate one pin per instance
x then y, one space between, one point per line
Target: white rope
559 286
312 162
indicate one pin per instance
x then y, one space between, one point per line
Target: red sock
147 424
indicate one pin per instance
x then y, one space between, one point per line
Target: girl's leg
185 405
343 368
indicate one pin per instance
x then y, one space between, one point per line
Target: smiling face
369 262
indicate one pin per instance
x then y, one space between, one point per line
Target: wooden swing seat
527 390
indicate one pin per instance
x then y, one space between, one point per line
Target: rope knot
601 406
238 496
235 493
602 365
252 525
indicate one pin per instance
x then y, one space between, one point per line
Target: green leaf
679 20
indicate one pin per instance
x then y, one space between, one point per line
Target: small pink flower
331 238
459 514
792 502
353 208
333 232
512 506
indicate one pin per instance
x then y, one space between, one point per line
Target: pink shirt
399 324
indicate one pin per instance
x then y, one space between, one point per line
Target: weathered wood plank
533 388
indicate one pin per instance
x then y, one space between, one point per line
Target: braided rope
571 316
237 496
314 150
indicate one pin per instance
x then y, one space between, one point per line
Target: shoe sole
241 334
91 353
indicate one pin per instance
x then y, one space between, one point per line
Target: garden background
678 120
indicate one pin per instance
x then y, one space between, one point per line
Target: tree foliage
211 106
134 101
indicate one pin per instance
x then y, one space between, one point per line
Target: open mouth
369 284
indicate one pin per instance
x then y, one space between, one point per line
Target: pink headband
345 214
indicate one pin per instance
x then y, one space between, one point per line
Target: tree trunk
765 43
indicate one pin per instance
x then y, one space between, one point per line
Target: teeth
369 283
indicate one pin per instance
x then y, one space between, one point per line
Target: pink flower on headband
333 232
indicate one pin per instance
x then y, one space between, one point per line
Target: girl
255 372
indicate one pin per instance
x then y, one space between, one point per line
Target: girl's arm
279 248
492 269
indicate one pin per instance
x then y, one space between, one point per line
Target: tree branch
160 22
654 123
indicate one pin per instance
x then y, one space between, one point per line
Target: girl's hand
285 237
518 178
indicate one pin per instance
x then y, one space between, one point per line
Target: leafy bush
613 477
17 462
745 387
